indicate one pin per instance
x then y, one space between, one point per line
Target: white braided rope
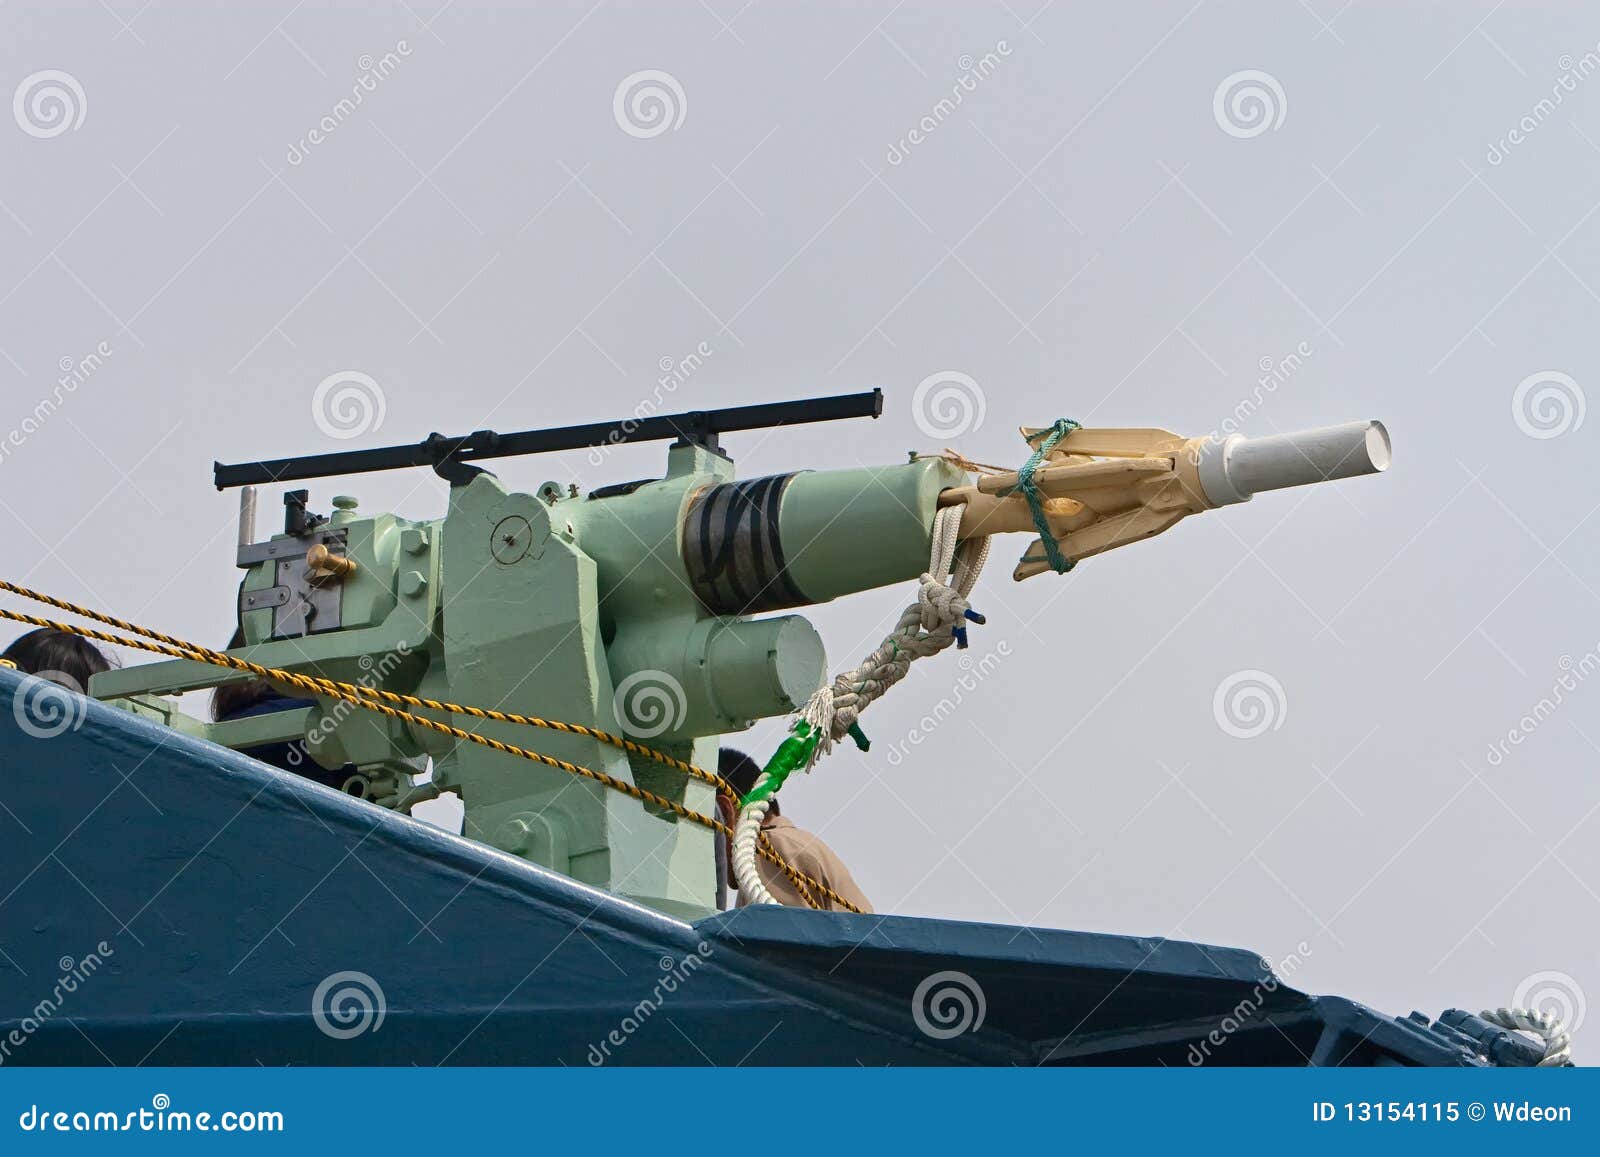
925 628
1557 1040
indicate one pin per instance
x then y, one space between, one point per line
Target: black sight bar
700 427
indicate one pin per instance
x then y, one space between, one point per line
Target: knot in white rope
925 628
942 606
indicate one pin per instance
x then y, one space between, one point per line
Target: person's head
231 698
742 772
58 656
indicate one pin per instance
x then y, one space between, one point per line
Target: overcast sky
1130 211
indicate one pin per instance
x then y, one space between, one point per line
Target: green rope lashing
1030 491
794 752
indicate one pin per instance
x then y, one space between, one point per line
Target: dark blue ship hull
236 915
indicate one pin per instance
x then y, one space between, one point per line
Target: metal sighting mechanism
667 610
693 428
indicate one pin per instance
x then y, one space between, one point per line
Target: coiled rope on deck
1547 1027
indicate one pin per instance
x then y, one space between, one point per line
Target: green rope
1030 491
794 752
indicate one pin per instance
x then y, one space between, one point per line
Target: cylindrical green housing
675 679
795 539
852 530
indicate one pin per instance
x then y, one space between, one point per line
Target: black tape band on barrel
733 549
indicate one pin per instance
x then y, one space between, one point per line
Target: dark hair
738 769
59 656
231 698
742 772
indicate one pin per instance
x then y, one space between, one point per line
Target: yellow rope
959 460
365 698
310 683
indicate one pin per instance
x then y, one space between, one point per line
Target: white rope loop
925 628
1548 1028
745 833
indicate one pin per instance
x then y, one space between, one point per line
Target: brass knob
323 563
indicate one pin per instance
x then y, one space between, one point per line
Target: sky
1351 724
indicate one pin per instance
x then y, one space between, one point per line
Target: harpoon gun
645 608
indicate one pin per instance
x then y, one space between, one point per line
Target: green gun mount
631 609
645 609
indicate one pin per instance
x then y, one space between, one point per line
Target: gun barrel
1234 468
